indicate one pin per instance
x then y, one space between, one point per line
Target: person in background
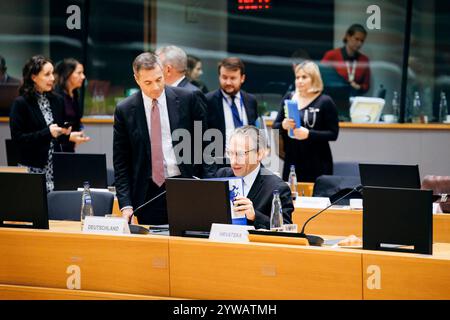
36 119
309 149
247 148
174 62
349 62
4 77
69 75
194 72
229 107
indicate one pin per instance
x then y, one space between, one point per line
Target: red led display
246 5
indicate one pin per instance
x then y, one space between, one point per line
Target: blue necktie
236 118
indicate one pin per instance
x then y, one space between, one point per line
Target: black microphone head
359 188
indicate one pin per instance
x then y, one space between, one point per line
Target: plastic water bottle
443 108
86 203
293 183
417 108
395 106
276 215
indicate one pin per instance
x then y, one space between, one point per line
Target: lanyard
351 72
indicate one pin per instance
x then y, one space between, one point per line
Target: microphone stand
316 240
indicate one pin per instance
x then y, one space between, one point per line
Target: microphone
316 240
137 229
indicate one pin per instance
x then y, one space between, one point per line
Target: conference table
64 263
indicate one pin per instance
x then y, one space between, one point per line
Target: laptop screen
70 170
193 205
390 175
24 200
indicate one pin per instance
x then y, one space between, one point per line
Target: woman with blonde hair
308 150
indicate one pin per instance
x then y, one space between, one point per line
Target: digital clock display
253 5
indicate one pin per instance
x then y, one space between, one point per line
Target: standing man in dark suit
229 107
247 148
174 62
143 147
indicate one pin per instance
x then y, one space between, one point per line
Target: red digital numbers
245 5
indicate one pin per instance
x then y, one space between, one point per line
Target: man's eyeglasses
238 154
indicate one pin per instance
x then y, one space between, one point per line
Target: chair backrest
335 186
12 152
346 168
66 205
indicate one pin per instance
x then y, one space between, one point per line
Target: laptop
24 200
194 205
70 170
390 175
398 219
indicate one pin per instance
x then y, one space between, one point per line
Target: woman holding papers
306 140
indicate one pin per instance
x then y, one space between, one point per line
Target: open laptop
23 200
70 170
398 219
194 205
390 175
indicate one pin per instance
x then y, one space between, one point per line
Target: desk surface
339 221
56 261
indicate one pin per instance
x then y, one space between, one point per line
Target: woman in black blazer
308 150
36 119
69 78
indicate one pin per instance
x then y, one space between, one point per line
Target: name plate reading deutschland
312 202
108 225
229 232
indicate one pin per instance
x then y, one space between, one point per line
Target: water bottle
417 108
293 183
86 203
396 106
443 108
276 215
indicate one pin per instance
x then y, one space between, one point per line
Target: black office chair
334 187
66 205
346 168
12 152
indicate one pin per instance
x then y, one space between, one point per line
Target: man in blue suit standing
229 107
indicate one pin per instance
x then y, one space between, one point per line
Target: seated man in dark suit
4 77
247 148
229 107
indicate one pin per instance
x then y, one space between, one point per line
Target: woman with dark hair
37 119
69 75
349 62
194 71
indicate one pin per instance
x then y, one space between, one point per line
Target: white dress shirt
229 124
250 179
176 83
170 162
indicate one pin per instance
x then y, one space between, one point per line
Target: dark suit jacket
216 118
30 132
185 83
131 142
261 195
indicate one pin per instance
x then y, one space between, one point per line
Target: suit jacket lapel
257 185
141 120
250 116
173 108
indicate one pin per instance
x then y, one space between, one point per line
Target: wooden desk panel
347 222
407 276
202 269
125 264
